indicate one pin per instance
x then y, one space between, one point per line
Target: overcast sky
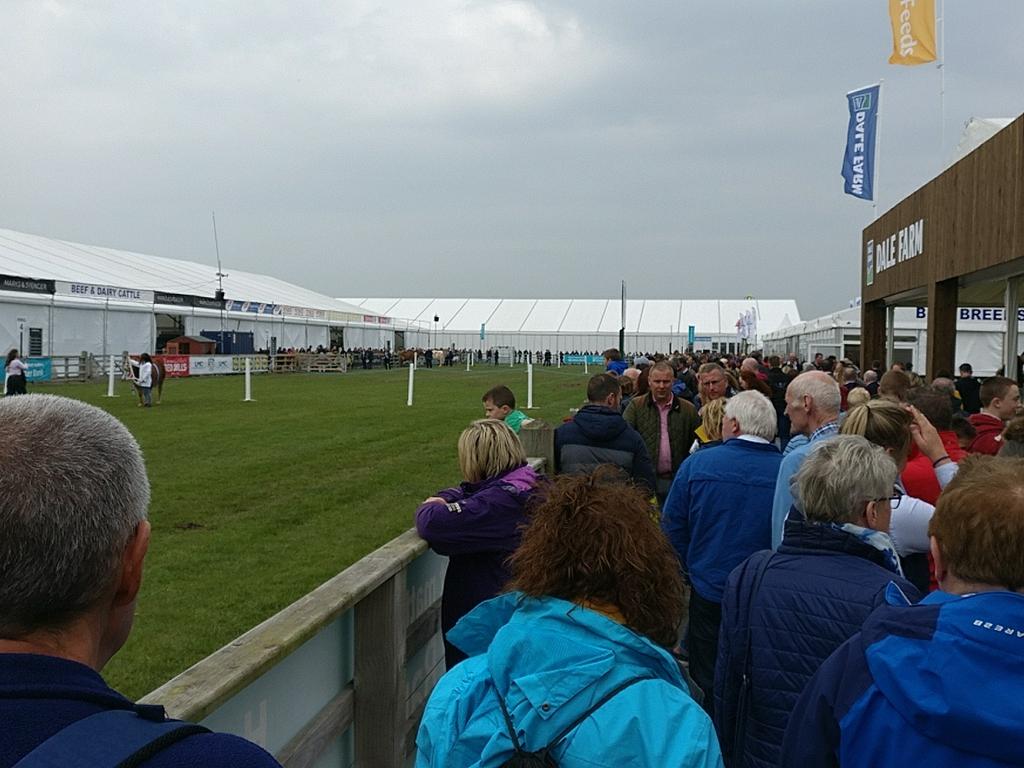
508 148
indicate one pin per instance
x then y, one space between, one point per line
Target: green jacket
642 414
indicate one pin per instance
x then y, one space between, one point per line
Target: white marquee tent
62 298
578 324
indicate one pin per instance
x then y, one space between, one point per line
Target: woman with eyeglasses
895 428
797 605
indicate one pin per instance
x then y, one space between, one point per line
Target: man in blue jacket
599 435
718 512
75 534
940 683
812 405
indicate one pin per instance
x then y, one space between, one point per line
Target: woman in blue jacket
477 524
579 648
783 613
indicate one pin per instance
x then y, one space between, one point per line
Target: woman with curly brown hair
574 663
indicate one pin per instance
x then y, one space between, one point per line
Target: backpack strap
543 753
600 703
116 738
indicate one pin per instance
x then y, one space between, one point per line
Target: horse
407 356
131 373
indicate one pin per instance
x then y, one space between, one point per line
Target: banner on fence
175 365
578 359
210 364
39 369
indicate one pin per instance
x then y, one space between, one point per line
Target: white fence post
110 379
248 380
412 373
529 386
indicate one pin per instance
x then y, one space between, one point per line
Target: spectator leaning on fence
597 601
940 683
500 403
75 535
477 524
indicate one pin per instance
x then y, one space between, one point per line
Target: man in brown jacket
667 424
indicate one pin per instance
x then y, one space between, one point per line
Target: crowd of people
752 561
732 562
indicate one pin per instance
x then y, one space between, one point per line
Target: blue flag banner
859 160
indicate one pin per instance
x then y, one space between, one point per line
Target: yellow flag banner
913 31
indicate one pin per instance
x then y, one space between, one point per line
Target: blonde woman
709 433
477 523
895 428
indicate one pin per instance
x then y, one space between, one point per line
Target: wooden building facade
958 240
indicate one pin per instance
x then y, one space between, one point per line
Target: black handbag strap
739 731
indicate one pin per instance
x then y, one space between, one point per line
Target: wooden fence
340 677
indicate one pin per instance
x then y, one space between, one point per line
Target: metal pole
942 83
890 335
412 373
529 386
878 153
1012 328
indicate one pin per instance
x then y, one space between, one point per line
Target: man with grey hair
75 535
717 513
797 605
812 404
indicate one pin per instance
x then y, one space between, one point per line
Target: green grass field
255 504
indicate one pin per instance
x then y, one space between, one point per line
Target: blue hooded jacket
938 684
552 660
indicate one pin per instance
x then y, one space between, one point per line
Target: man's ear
131 565
941 571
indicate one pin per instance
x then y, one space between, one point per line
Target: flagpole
942 81
878 153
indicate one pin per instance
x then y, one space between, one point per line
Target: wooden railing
340 677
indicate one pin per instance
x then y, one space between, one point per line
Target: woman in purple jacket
477 525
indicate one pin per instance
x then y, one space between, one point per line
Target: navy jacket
939 684
719 511
816 593
599 435
40 695
477 528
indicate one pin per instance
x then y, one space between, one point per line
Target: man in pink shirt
667 424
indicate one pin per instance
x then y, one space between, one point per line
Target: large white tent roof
45 258
583 316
